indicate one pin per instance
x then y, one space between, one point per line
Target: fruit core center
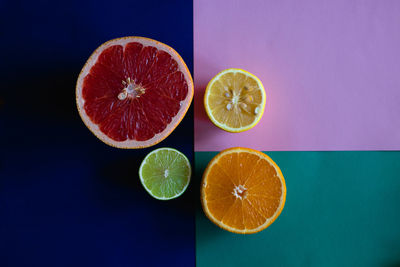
131 90
240 100
235 99
166 173
240 191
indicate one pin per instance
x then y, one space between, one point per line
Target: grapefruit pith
133 92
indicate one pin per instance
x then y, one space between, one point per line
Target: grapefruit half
133 92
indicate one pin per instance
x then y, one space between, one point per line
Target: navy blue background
67 199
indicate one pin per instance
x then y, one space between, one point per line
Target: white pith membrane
240 193
133 91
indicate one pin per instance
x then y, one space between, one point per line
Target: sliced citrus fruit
165 173
234 100
133 92
243 190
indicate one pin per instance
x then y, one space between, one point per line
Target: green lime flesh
165 173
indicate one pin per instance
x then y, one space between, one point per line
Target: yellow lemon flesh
234 100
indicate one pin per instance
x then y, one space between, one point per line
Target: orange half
243 190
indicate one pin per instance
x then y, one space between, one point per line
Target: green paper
342 209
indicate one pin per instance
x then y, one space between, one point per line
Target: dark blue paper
67 199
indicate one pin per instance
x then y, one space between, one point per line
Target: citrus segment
165 173
133 92
243 190
235 100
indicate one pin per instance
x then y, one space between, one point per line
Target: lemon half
235 100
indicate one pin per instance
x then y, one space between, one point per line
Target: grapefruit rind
133 144
270 220
226 127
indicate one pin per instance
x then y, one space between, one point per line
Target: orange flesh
243 190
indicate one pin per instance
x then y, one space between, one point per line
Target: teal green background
342 209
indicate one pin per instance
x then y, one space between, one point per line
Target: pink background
331 70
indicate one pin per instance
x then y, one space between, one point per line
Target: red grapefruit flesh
133 92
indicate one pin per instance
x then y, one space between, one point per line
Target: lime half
165 173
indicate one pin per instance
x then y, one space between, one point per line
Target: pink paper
331 70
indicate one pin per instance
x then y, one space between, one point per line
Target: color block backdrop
331 73
330 69
342 209
67 199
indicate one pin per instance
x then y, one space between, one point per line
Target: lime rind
165 173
